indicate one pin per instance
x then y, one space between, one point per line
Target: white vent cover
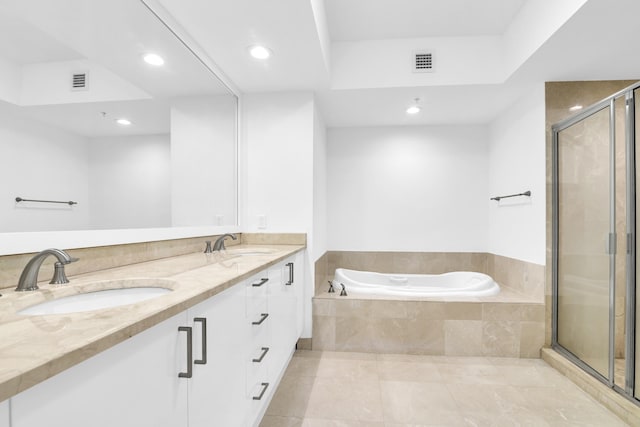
422 62
80 81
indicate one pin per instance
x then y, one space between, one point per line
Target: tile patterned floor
335 389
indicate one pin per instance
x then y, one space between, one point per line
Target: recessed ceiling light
259 52
123 122
153 59
414 109
575 108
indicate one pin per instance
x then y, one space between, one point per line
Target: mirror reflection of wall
174 165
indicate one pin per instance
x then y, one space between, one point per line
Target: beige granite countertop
34 348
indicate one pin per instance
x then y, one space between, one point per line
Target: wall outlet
262 221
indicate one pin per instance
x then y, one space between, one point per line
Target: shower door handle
611 244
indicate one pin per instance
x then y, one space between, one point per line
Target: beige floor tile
345 400
314 422
303 367
423 403
277 421
336 389
292 397
348 369
519 418
493 398
389 370
351 355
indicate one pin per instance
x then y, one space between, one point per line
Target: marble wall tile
501 338
462 337
424 336
274 238
324 333
532 336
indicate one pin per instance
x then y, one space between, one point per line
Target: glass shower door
586 239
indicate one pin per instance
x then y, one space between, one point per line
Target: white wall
319 187
517 163
408 188
203 153
281 135
278 133
130 181
38 161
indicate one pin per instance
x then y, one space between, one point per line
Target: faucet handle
208 249
59 276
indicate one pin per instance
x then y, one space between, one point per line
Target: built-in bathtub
453 284
496 321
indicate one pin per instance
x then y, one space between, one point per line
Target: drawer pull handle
290 265
189 372
264 390
203 358
265 350
262 319
261 282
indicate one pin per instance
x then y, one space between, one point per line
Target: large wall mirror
85 119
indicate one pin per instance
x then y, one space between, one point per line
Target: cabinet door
4 414
217 388
282 304
134 383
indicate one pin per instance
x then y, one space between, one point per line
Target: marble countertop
34 348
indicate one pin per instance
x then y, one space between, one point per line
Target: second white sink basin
96 300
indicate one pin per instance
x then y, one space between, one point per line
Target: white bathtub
459 283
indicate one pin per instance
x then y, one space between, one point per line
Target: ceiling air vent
80 81
423 62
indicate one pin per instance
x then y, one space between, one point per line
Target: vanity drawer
256 295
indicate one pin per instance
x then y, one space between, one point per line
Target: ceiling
316 43
350 20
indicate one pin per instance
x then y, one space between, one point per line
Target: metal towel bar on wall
70 202
497 198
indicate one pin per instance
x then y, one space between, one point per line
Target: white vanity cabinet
216 364
134 383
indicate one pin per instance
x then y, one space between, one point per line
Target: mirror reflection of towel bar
497 198
70 203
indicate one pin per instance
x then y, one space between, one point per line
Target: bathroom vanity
210 352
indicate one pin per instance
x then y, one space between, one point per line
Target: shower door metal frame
630 238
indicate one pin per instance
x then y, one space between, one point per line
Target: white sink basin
251 252
96 300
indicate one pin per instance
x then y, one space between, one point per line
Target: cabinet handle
261 282
189 372
265 350
290 265
262 319
264 390
203 359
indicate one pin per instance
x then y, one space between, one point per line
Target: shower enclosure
594 240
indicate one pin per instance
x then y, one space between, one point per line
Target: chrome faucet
219 244
29 277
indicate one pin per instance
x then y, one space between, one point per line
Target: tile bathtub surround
322 389
522 277
437 327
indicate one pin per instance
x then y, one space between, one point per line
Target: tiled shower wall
522 277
